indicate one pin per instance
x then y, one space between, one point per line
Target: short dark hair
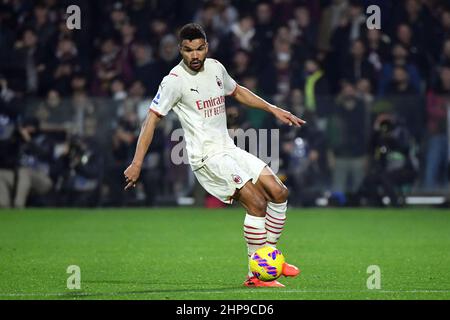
191 31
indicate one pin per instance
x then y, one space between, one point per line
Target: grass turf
188 253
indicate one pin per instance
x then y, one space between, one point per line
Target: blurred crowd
376 101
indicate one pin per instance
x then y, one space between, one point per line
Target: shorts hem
230 198
255 180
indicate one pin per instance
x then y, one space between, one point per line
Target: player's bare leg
254 201
276 195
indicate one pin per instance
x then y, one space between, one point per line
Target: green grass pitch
200 254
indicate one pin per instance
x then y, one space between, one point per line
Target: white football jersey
198 99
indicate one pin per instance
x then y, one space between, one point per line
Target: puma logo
195 90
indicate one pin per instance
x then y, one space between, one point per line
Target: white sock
275 220
254 234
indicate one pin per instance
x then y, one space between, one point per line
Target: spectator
304 33
356 66
348 139
440 33
107 67
393 164
128 32
17 179
207 17
283 9
314 84
399 59
169 54
255 117
82 173
158 29
7 36
283 56
405 37
264 32
36 158
136 100
65 65
240 37
11 139
445 56
418 19
307 169
117 18
43 26
377 45
226 15
445 23
118 90
243 33
331 17
436 162
29 61
400 83
365 93
405 101
53 113
241 65
351 25
140 12
82 107
146 69
124 138
444 59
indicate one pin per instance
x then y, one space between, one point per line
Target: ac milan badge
236 178
219 82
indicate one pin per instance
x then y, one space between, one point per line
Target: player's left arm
245 96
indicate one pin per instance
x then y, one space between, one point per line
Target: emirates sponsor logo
210 103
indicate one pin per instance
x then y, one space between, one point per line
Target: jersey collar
189 70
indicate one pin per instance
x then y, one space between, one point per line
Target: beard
196 65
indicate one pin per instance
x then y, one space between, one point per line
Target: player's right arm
145 139
168 95
248 98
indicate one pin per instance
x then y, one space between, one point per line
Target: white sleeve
228 82
169 93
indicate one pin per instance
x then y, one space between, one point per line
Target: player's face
194 53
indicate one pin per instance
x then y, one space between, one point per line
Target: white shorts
227 171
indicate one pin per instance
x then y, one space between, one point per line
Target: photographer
306 163
11 139
393 162
35 158
80 168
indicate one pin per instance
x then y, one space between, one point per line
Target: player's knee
280 195
258 206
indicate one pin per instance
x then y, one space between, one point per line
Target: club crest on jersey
219 82
236 178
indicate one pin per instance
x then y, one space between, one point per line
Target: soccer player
195 90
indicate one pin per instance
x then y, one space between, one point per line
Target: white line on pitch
80 294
